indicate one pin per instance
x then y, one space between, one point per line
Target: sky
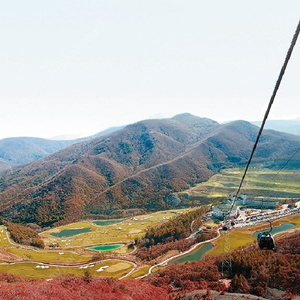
80 67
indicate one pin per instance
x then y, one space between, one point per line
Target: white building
260 203
220 211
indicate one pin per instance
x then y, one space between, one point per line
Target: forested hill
137 167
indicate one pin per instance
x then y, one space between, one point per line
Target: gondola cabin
265 241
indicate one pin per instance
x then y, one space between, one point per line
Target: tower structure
226 256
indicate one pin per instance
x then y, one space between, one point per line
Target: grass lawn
263 182
138 273
4 242
110 268
122 232
237 238
50 256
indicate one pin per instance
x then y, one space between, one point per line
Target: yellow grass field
32 270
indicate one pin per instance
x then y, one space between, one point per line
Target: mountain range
23 150
287 126
138 167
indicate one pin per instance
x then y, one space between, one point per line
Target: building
220 211
260 203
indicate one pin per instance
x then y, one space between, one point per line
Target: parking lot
259 216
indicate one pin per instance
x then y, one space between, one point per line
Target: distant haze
74 67
66 137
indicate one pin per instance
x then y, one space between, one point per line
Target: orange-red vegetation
78 288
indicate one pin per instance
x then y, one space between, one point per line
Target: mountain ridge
137 167
23 150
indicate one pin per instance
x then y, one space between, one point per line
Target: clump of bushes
24 235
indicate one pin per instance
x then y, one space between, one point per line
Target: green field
257 183
110 268
50 256
123 232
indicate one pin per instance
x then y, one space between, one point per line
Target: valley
68 247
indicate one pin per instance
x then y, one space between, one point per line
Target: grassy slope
264 182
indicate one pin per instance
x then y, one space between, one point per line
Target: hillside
137 167
270 274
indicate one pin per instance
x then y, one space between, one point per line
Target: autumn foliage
153 252
172 235
78 288
176 228
24 235
253 271
262 269
188 276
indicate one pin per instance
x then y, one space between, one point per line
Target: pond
106 247
71 232
194 255
282 227
107 222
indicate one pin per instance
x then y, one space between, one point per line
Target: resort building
260 203
220 211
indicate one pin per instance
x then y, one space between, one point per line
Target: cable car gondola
265 240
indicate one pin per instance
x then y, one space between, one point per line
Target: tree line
172 235
176 228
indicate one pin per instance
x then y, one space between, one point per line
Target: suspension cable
281 168
287 58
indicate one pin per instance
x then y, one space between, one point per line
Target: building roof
224 207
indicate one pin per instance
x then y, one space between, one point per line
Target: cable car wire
287 58
281 168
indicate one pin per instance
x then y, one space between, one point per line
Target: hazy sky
79 67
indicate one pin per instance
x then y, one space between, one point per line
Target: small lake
107 222
71 232
282 227
106 247
195 255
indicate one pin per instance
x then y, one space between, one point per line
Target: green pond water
282 227
194 255
71 232
106 247
107 222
